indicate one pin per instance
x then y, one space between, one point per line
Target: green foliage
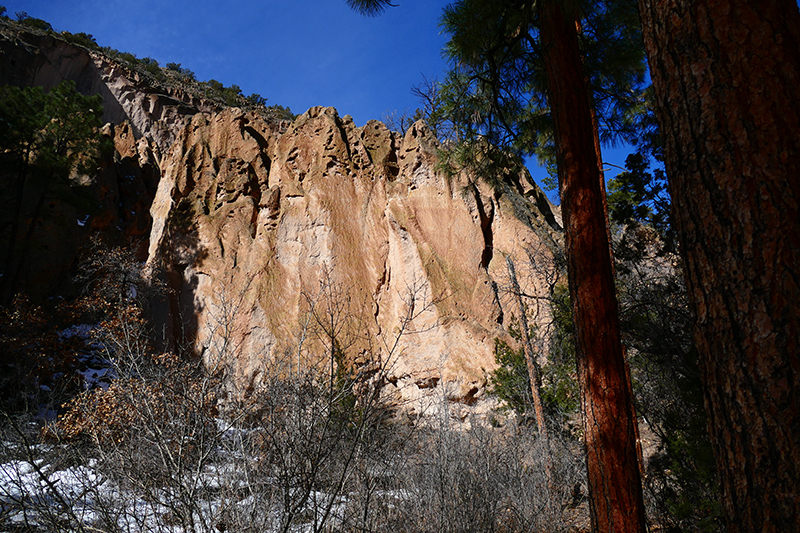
495 92
27 20
145 65
256 100
638 198
511 381
39 24
128 57
342 398
70 139
21 118
229 96
111 53
49 137
184 73
3 11
82 39
648 137
370 8
152 67
656 326
188 74
232 95
57 131
215 85
682 476
560 393
278 113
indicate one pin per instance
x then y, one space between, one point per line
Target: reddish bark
615 491
727 81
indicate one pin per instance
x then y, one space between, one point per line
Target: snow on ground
96 370
34 492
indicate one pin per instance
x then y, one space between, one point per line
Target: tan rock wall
253 228
256 227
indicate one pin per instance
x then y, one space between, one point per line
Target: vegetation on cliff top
172 75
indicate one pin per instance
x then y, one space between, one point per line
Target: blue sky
296 53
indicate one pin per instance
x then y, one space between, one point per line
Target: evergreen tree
615 491
46 137
521 67
497 88
725 76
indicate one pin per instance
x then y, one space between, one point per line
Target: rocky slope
256 227
154 111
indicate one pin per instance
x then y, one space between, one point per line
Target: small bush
27 20
256 100
510 382
111 53
82 39
128 58
277 113
152 67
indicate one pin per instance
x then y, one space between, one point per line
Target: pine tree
725 74
615 490
525 81
45 136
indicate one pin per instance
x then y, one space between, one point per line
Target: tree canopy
45 137
496 91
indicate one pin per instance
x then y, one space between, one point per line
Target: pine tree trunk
615 490
727 81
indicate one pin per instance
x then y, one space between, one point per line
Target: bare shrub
174 444
488 479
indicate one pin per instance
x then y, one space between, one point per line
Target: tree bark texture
615 490
727 82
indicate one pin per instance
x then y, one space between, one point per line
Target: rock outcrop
155 112
273 224
256 227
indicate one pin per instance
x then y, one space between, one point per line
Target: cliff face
143 120
154 112
256 228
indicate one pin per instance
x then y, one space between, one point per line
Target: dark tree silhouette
726 76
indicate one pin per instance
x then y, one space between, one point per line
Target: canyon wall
270 236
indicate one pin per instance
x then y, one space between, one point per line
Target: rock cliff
255 227
153 110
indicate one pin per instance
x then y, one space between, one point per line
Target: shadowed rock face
254 226
143 123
